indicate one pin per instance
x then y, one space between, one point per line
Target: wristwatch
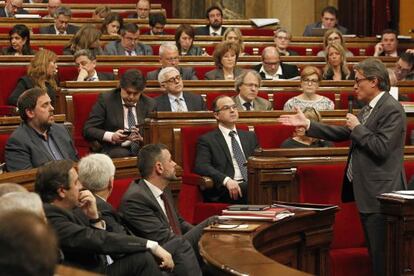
93 221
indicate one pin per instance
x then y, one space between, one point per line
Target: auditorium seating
272 136
9 77
322 184
3 140
120 187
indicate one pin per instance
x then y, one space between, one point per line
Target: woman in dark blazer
40 73
19 37
336 67
225 57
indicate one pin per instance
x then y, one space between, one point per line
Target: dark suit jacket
218 74
289 71
108 115
85 246
259 104
20 11
308 28
194 51
194 102
187 73
72 29
144 215
377 153
213 159
25 150
115 48
112 219
204 30
25 83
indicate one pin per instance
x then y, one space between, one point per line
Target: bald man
12 7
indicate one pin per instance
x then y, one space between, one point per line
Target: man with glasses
222 155
62 17
282 39
129 44
169 57
404 67
247 85
272 68
11 8
174 99
113 124
375 162
52 5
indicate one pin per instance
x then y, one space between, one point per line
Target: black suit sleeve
21 86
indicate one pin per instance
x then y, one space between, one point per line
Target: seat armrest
203 182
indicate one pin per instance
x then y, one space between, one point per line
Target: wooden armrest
203 182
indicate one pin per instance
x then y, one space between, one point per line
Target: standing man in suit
85 243
389 44
175 99
148 206
129 44
12 7
62 17
378 130
114 119
222 155
247 85
214 16
143 10
38 139
272 68
96 173
86 62
329 20
169 57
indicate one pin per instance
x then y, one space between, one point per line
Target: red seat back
272 136
280 98
120 187
3 141
410 128
211 96
9 76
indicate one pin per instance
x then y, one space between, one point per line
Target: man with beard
38 139
214 15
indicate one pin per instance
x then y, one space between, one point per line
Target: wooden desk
399 246
300 242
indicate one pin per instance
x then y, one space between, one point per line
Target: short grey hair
22 201
167 45
374 68
282 30
62 10
95 171
6 188
240 79
165 71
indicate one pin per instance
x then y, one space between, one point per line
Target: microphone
350 103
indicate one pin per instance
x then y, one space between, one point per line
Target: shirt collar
225 130
57 31
123 103
375 100
279 72
173 97
211 30
95 76
242 101
154 189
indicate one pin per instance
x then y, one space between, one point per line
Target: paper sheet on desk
401 194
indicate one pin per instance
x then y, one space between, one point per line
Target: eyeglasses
283 37
310 81
172 59
357 81
227 107
401 69
271 63
173 79
251 85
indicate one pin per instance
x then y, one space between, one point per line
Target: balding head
270 60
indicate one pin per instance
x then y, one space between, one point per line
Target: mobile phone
127 132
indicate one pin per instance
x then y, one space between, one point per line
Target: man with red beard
38 139
214 16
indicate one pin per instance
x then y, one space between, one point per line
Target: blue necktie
238 154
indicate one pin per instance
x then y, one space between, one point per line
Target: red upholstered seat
301 50
67 73
9 76
212 95
323 184
58 49
144 69
82 106
202 70
272 136
120 187
190 200
280 98
409 169
3 141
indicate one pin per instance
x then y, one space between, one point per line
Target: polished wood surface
281 248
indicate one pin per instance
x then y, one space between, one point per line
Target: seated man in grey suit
96 173
174 99
222 155
272 68
81 231
214 16
247 85
86 62
148 206
12 7
62 17
129 44
329 20
114 119
38 139
169 57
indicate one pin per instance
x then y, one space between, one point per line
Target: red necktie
173 222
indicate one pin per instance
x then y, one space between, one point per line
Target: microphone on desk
350 103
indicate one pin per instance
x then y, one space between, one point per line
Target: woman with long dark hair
19 37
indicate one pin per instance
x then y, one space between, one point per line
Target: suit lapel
222 142
165 101
244 142
58 142
188 102
153 200
118 110
31 133
374 111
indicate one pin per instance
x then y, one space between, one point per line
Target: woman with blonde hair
86 38
40 73
225 58
299 138
336 68
233 34
310 78
333 36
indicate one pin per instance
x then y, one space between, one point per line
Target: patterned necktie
180 107
248 106
363 117
171 218
215 34
238 154
131 124
92 79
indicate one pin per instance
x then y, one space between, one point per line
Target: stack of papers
405 194
255 212
408 107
